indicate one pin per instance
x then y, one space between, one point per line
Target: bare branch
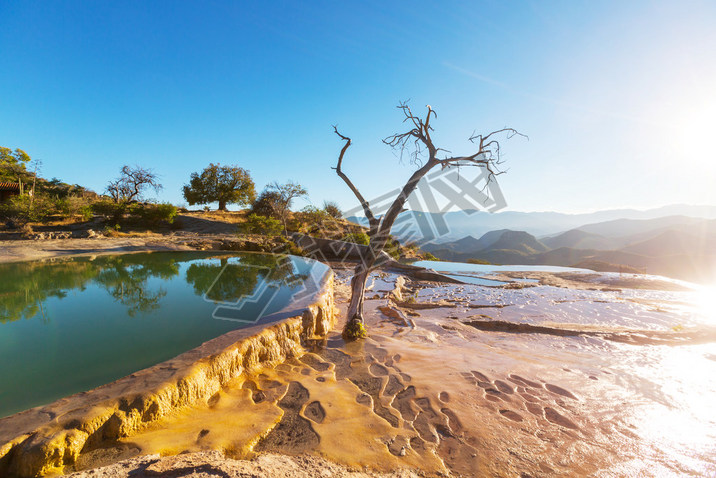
418 138
364 204
132 182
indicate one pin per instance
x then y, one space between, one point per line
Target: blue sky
617 98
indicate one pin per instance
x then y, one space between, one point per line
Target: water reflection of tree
229 281
24 287
125 278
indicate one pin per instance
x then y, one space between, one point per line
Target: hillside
468 244
620 228
673 241
519 241
503 246
579 239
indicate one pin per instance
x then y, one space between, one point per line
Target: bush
257 224
74 206
357 238
268 204
27 231
427 256
392 247
313 215
20 210
110 210
154 214
290 247
331 208
111 231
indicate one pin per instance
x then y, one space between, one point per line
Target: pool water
443 266
71 325
476 280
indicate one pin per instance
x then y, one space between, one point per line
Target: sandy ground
24 250
198 231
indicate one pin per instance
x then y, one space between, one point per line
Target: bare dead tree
418 145
131 183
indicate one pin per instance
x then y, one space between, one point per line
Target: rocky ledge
48 440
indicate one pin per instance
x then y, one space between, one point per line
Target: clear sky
618 98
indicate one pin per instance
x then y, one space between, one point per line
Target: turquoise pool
70 325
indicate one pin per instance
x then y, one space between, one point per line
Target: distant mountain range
459 224
675 246
676 241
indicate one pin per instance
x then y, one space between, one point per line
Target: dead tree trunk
424 153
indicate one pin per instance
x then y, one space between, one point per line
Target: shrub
111 231
110 210
427 256
70 206
290 247
257 224
154 214
20 210
392 247
331 208
268 204
86 212
313 215
357 238
27 231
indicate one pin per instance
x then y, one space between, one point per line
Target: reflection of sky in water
489 268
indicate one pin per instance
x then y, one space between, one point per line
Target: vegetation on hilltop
125 209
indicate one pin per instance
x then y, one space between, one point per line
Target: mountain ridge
454 225
684 250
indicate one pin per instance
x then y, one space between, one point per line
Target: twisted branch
364 204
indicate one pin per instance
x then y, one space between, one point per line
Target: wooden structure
8 190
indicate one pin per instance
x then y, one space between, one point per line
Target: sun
706 301
694 128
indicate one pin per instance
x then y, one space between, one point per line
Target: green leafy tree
12 164
8 156
222 184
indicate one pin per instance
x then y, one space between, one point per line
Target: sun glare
706 302
694 131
